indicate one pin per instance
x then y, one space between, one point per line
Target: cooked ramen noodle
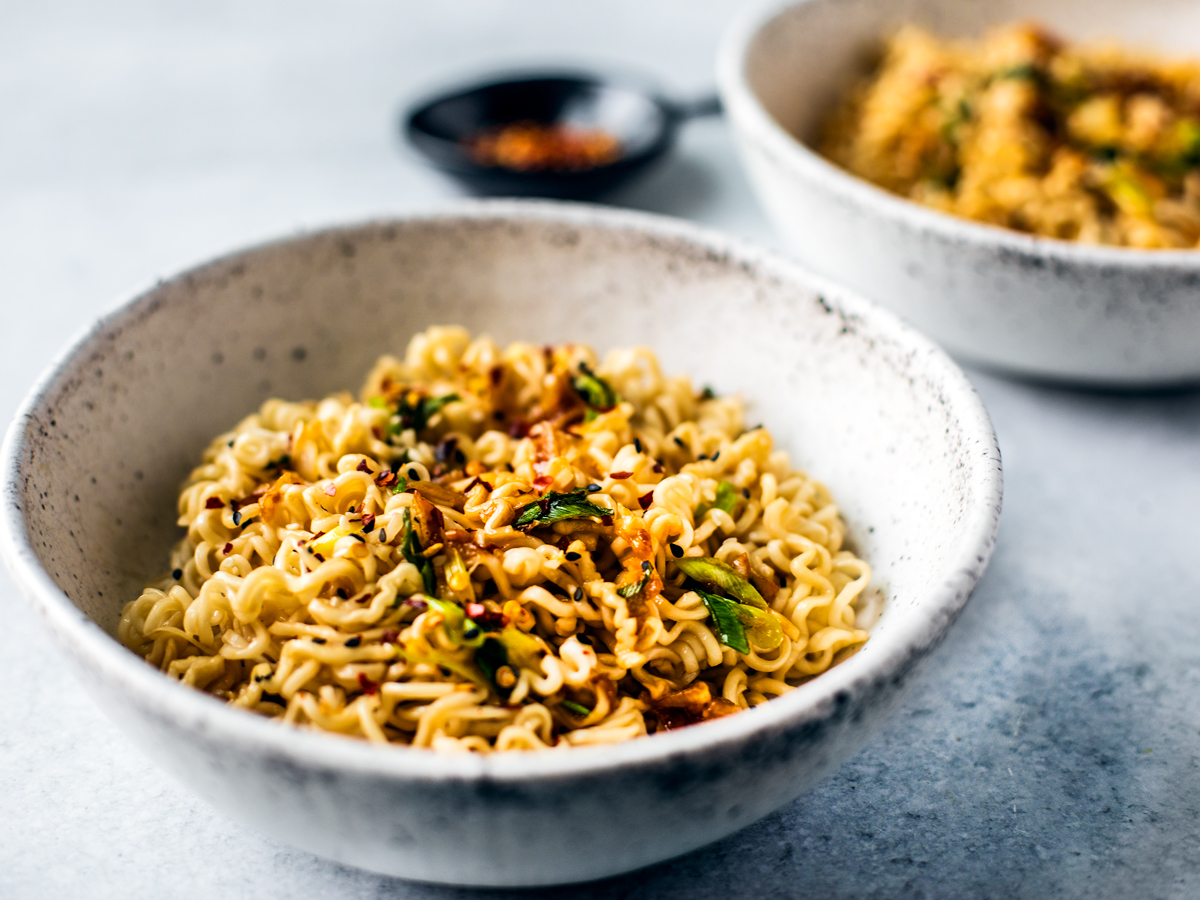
1095 143
502 548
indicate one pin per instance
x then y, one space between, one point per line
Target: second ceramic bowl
1037 307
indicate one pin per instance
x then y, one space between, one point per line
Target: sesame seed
177 574
592 488
676 551
577 593
572 556
354 641
637 445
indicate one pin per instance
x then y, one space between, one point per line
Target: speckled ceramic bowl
1044 308
93 462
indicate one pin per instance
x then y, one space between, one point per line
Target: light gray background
1050 749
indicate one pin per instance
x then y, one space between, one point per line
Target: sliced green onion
554 507
573 707
410 547
738 625
717 574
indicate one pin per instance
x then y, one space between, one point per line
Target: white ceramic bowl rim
742 103
173 701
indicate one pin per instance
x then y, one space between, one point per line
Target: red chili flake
485 618
646 499
319 534
542 482
362 466
606 521
496 374
378 432
331 489
474 482
368 686
563 543
518 429
390 636
658 469
214 503
368 522
439 521
227 549
387 479
416 603
618 476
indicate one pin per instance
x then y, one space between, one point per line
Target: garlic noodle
502 548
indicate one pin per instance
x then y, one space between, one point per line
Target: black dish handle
697 107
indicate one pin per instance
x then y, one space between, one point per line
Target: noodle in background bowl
1043 308
880 415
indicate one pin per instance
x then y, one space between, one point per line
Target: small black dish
644 123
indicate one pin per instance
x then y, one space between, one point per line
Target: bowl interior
802 59
867 406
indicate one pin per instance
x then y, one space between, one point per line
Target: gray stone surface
1048 750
